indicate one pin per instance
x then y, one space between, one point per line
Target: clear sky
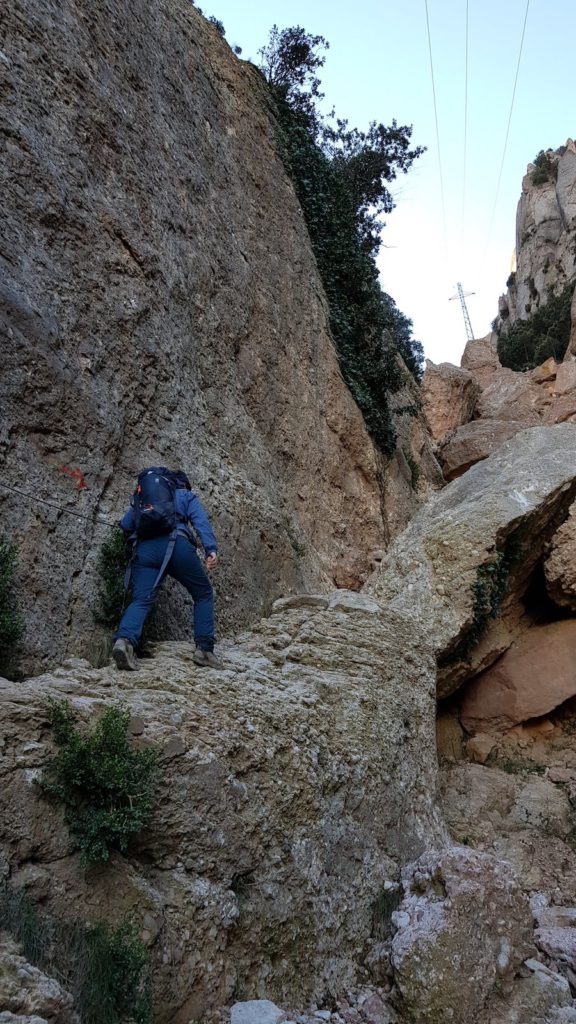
378 68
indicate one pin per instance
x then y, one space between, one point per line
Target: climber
157 524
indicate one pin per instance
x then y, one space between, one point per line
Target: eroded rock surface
449 397
534 676
295 783
431 570
445 965
560 565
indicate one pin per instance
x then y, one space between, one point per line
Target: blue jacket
189 508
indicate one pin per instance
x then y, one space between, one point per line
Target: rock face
294 785
517 816
560 565
160 304
431 571
533 677
449 398
545 233
444 968
506 402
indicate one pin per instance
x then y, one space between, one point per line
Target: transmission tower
462 295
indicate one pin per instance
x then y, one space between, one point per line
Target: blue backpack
154 503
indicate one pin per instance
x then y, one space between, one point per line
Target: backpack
154 503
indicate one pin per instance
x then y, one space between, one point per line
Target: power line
491 223
436 123
96 517
465 131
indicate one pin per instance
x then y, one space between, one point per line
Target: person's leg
147 562
186 567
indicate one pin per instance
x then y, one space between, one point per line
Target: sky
453 220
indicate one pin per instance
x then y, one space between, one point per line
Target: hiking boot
123 654
206 659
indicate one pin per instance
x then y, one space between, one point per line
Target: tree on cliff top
341 177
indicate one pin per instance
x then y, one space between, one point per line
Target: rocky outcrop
515 814
160 304
449 398
506 402
435 948
545 234
534 676
294 785
474 544
560 565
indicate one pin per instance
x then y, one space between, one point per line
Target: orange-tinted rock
545 372
473 442
449 396
480 357
534 676
565 378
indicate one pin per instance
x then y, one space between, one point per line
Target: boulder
449 396
511 396
515 815
565 378
560 565
535 675
256 1011
474 442
294 784
535 998
432 571
436 946
480 358
559 944
546 372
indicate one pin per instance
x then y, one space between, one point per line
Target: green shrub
111 565
414 469
546 333
11 622
545 169
105 969
105 785
340 177
488 592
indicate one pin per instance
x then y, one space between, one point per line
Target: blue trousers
186 567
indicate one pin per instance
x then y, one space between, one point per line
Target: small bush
528 343
488 592
545 169
111 567
105 969
105 785
11 622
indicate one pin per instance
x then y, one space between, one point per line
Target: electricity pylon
462 295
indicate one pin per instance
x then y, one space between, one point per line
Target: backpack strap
168 555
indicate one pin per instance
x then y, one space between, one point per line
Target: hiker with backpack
157 524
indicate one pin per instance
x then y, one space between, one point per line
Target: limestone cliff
160 304
545 234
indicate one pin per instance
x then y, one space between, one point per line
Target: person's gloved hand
211 561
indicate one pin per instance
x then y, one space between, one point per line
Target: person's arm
127 523
199 519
